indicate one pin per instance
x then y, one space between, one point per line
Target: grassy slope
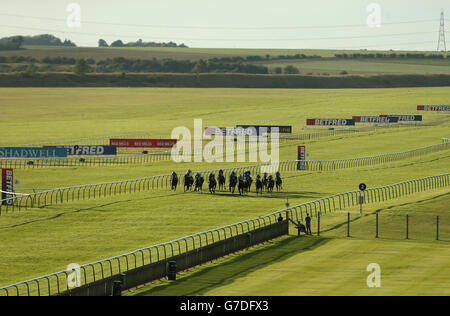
367 66
306 66
329 265
167 52
46 240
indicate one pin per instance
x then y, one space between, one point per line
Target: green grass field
175 53
41 241
364 67
333 264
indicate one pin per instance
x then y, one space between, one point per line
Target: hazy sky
235 23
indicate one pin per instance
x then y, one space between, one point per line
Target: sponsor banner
330 122
406 118
32 152
143 143
7 186
88 150
375 119
284 129
301 155
231 131
433 108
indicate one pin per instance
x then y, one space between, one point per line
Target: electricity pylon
441 43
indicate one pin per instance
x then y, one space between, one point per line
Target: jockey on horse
258 184
188 180
174 180
212 183
233 181
221 179
278 181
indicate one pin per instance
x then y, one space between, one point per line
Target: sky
297 24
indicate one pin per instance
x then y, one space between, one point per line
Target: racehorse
174 181
233 182
248 181
198 183
259 185
270 185
242 185
212 185
265 180
221 179
279 183
188 182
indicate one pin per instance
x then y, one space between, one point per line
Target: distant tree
68 43
81 67
117 43
200 67
291 70
18 40
102 43
278 70
31 69
11 43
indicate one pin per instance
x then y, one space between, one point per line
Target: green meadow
46 240
174 53
332 264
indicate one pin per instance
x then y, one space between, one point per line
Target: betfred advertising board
88 150
230 131
143 143
406 118
7 186
433 108
282 129
330 122
375 119
301 156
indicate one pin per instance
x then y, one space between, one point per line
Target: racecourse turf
332 264
41 241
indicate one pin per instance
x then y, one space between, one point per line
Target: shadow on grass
210 277
273 195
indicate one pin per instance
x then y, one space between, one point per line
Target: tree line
15 42
392 56
121 64
138 43
11 43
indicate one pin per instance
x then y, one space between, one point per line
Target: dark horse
279 183
242 185
221 179
188 182
265 181
270 185
198 183
174 181
212 185
259 185
233 182
248 181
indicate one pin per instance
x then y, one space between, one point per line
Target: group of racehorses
243 182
